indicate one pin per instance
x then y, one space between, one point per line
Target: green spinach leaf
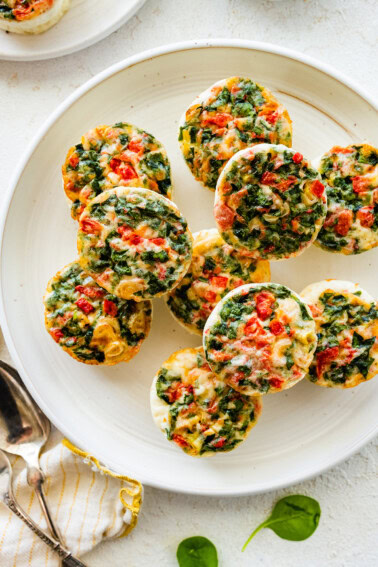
197 551
294 517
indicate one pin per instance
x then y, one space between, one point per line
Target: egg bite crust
269 202
134 243
90 324
346 318
31 16
351 176
216 269
196 410
260 338
229 116
114 156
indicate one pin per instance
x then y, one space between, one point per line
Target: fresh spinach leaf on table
294 517
197 551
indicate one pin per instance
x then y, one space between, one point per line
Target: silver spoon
7 497
24 430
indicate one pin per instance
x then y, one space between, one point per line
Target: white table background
342 33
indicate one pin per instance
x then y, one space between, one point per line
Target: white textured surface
342 33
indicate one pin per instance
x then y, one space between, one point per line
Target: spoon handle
68 560
36 479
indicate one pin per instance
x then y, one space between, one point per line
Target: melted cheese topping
114 156
231 115
196 410
90 324
269 202
216 269
351 173
134 243
346 320
260 338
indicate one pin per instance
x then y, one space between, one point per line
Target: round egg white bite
346 320
90 324
134 243
196 410
31 16
260 338
114 156
216 269
229 116
351 176
269 202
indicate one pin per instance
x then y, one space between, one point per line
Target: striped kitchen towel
88 502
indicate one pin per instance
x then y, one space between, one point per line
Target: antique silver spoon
7 497
24 430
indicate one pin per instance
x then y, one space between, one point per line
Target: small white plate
85 23
106 410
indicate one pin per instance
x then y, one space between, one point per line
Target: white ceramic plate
106 410
85 23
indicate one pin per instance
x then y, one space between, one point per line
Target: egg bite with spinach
114 156
216 269
351 176
269 202
31 16
134 243
229 116
346 319
260 338
90 324
196 410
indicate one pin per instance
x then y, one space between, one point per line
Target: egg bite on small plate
269 202
134 243
216 269
346 319
260 338
229 116
31 16
351 177
114 156
90 324
196 410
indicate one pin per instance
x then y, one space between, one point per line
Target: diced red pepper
276 383
210 296
177 389
56 334
110 308
366 217
344 222
158 241
276 327
341 150
135 146
264 301
84 305
219 119
297 157
90 291
90 226
268 178
360 184
324 357
272 118
219 281
74 160
122 169
179 440
218 444
224 216
317 188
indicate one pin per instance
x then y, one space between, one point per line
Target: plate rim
129 13
50 121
